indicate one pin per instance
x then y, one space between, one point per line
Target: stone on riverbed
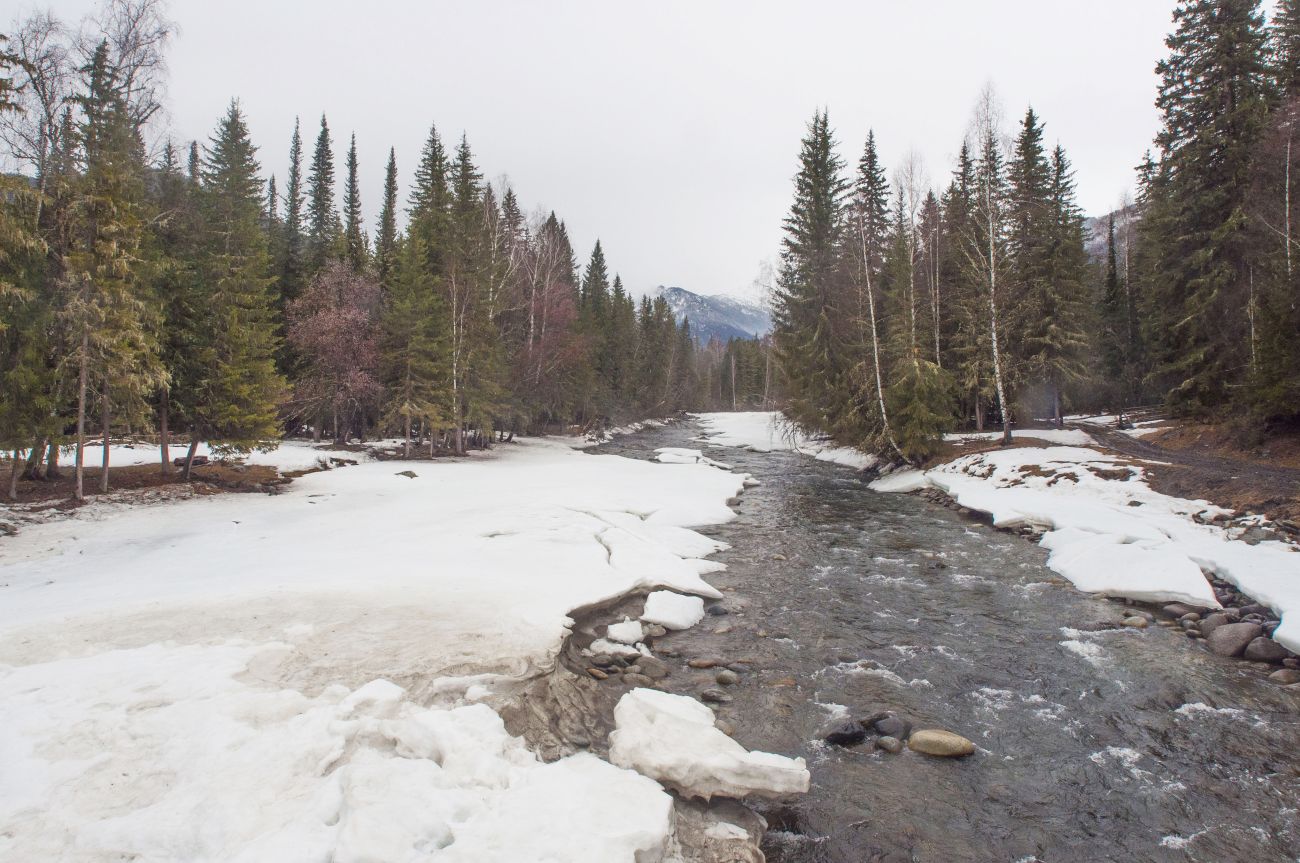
653 667
674 739
715 696
936 741
890 725
1135 622
1211 622
892 745
727 677
1285 676
843 732
1265 649
1231 639
1180 609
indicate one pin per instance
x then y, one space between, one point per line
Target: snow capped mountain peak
716 316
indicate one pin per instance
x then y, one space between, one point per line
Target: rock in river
653 667
891 726
891 745
1266 650
1135 622
936 741
1211 622
727 677
1285 676
844 732
1231 639
715 696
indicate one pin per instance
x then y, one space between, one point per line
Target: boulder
1264 649
1231 639
1285 676
1211 622
654 668
892 726
936 741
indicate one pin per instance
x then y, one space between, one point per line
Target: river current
1095 742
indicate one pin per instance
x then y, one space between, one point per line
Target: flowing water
1095 742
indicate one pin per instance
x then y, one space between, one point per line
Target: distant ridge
716 317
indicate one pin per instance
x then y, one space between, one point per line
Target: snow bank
289 455
766 431
678 455
672 610
1110 533
247 677
163 753
673 739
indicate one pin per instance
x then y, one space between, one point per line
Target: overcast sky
669 129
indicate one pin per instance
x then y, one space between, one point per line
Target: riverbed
1095 742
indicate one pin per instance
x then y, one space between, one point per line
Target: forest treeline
903 312
152 287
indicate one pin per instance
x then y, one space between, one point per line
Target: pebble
779 557
602 660
717 610
1265 649
892 726
722 630
654 630
843 732
891 745
1285 676
1231 639
727 677
1135 622
637 680
715 696
936 741
1190 616
654 668
725 727
1292 662
785 681
702 663
597 673
1178 609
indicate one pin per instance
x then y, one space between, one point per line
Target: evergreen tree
354 239
322 218
291 265
1213 98
415 360
236 389
805 300
386 240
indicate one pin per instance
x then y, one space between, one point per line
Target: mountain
717 316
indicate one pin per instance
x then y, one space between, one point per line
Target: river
1096 742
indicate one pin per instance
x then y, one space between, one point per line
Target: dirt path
1241 484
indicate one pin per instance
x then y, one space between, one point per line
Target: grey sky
669 129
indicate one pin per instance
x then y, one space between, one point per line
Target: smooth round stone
940 743
891 745
727 677
1135 622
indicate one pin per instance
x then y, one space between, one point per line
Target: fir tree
386 240
322 218
415 349
353 238
237 390
292 262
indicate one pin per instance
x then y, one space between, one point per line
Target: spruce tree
806 306
354 239
1213 98
386 240
292 262
322 218
415 356
237 390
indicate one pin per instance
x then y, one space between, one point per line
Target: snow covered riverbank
301 676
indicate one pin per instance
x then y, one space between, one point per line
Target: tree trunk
406 445
1056 407
164 433
105 408
13 474
460 440
979 414
32 470
316 427
189 455
79 492
52 471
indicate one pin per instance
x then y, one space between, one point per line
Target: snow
678 455
627 632
1113 535
309 675
289 455
767 431
673 739
673 610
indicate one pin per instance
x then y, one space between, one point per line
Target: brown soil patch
218 476
1279 448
